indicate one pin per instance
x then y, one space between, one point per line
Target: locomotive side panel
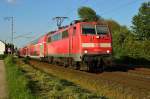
75 41
58 44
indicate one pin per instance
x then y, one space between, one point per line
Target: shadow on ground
127 63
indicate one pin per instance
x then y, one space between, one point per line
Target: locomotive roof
75 22
67 26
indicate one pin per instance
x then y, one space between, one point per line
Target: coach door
73 40
70 41
41 50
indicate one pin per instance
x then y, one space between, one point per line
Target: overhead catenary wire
68 13
22 35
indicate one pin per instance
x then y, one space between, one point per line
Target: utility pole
59 20
11 19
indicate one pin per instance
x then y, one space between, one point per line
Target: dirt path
3 94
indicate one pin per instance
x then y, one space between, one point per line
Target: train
78 44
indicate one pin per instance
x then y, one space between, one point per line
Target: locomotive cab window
102 29
88 29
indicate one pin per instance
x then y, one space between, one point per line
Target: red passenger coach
79 44
23 51
38 48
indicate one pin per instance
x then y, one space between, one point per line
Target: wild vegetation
133 44
48 86
2 57
141 22
26 82
16 81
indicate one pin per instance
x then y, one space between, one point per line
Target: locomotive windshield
101 29
88 29
94 29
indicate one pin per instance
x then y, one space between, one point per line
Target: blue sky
34 17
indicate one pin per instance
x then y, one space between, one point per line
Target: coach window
59 36
56 37
64 34
53 38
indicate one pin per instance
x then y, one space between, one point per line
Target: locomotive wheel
50 60
89 67
100 66
65 64
77 66
96 66
41 59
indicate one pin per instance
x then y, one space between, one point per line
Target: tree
141 22
88 14
119 34
114 26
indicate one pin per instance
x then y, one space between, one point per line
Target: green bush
26 60
2 56
126 46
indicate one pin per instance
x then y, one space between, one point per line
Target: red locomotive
79 43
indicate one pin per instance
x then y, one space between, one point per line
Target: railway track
141 71
143 74
132 83
132 71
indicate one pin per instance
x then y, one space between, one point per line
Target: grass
26 82
17 82
47 86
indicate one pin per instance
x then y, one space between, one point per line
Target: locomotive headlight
40 43
85 51
97 36
108 51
